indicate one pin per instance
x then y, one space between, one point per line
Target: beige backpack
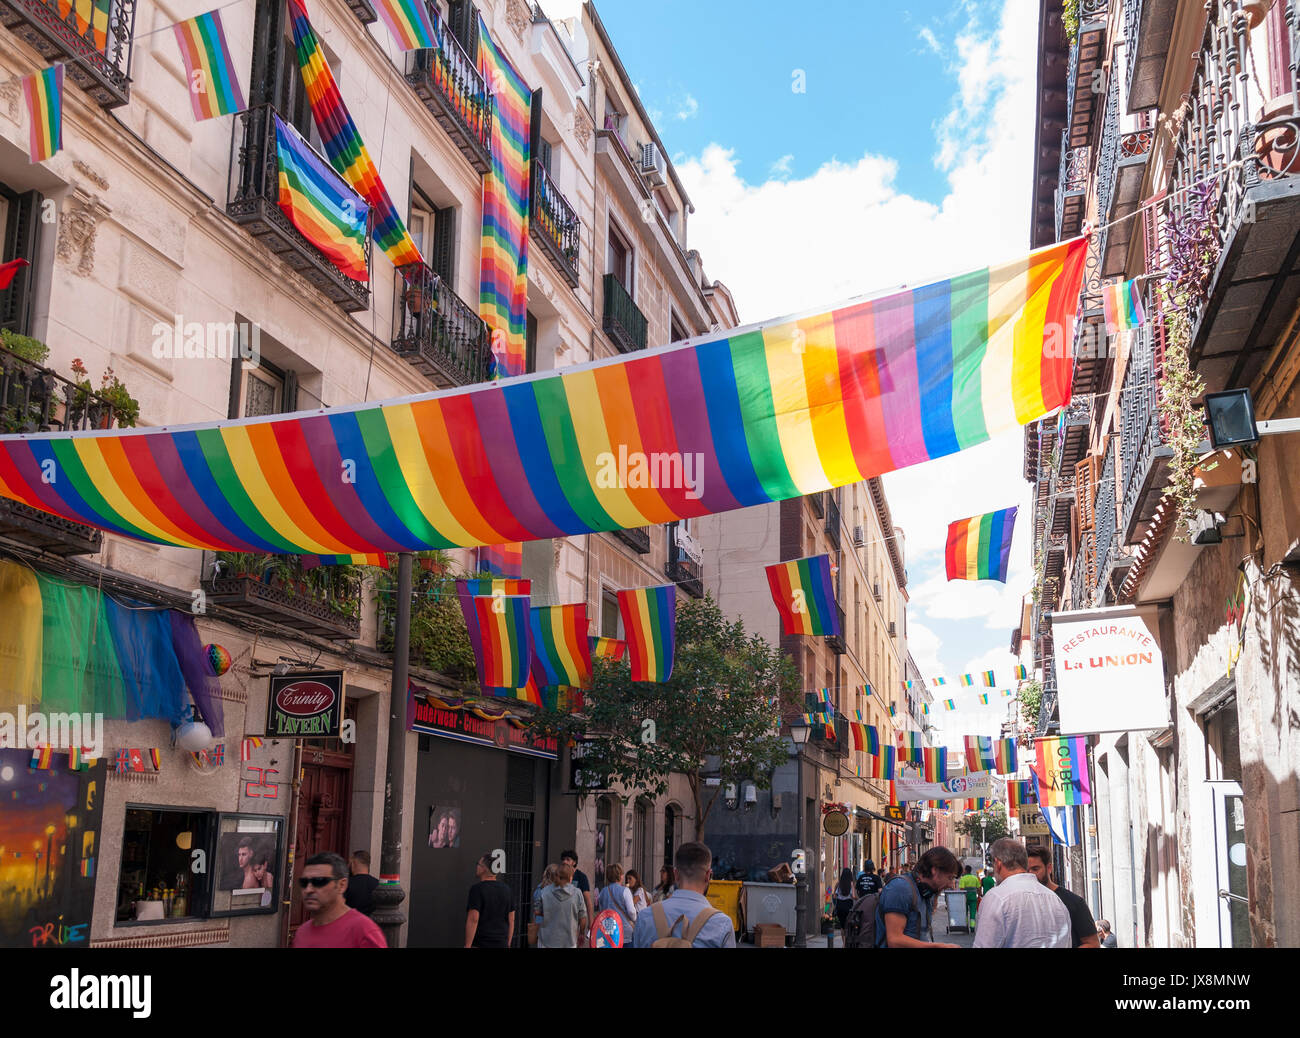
665 938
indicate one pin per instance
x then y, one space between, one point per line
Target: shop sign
464 726
305 705
894 812
1031 821
584 780
836 823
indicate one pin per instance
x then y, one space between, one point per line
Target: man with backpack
899 915
686 919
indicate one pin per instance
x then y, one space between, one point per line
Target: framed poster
444 826
305 705
245 865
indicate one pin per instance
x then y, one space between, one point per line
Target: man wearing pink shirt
333 924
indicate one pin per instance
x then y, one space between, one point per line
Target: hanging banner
1110 674
962 787
1062 772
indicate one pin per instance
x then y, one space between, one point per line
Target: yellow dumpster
724 895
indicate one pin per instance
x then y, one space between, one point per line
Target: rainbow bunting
1121 304
979 548
607 648
989 680
950 704
934 763
804 596
984 698
1021 672
348 154
503 280
561 651
882 766
1062 771
650 621
43 92
329 214
412 23
514 461
209 69
966 681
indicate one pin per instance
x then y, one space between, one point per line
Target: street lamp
799 734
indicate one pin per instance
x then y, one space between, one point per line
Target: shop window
157 882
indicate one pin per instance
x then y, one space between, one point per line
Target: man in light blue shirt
694 863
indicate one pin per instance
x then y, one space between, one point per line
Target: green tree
994 823
723 701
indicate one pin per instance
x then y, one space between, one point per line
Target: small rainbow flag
938 681
1021 672
949 704
979 548
979 752
1121 304
1021 791
476 587
925 708
650 621
984 698
411 23
989 680
893 710
209 69
561 651
1062 771
907 685
44 94
804 596
868 690
934 763
882 765
607 648
1005 758
966 681
911 746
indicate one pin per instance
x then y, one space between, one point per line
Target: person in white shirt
640 899
1019 912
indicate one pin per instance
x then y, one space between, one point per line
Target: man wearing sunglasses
332 924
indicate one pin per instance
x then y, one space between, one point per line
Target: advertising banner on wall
963 787
1110 675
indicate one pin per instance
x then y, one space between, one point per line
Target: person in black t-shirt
490 912
360 884
1082 927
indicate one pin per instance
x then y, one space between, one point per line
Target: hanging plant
1031 701
1070 17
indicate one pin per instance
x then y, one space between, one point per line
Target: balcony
363 10
1148 27
833 520
836 642
682 568
637 538
554 225
1112 557
1086 56
1082 579
1072 191
837 746
623 322
817 502
325 602
450 86
1144 455
97 59
1121 165
253 202
437 331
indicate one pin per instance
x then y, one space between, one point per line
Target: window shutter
1085 484
464 26
21 237
443 252
290 392
544 153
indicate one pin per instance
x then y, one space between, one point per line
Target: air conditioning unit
654 167
859 537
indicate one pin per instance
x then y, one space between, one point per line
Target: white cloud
781 167
923 645
930 40
689 108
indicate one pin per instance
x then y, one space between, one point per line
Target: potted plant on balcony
126 409
14 417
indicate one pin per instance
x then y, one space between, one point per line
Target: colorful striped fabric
329 214
979 548
475 586
865 737
504 639
893 710
882 765
42 758
607 648
650 621
1021 672
91 18
979 752
925 708
503 270
966 681
502 560
939 681
1021 791
310 562
209 69
1121 304
518 461
343 143
43 92
934 763
984 698
412 23
949 704
1062 771
911 747
907 684
988 679
470 593
561 651
804 596
1005 758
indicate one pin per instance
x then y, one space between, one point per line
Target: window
155 881
618 258
530 342
677 332
259 389
434 232
246 863
544 152
610 620
20 219
462 19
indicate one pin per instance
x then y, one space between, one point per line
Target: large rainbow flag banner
934 763
209 68
412 23
561 651
43 92
882 766
871 390
804 596
343 143
1062 771
650 622
498 630
503 281
329 214
979 548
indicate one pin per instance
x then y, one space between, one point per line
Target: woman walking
843 897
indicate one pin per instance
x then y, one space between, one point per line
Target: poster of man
246 863
444 826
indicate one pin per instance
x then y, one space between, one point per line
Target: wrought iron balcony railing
1144 453
93 39
437 331
253 201
1081 579
836 642
623 322
450 86
325 602
637 538
1106 527
817 502
1072 191
683 570
832 520
554 224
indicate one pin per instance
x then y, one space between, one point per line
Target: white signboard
963 787
1110 676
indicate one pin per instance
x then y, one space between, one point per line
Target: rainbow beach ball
218 659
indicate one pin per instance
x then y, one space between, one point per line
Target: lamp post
799 736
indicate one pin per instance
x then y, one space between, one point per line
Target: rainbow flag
650 621
979 752
87 868
1121 304
43 92
989 680
804 596
91 19
329 214
1062 771
209 69
492 464
925 708
882 765
911 747
893 710
939 681
1020 791
1021 672
502 650
607 648
502 560
343 144
477 586
979 548
907 685
865 737
42 758
411 23
966 681
1005 759
984 698
503 271
949 704
379 558
934 763
561 651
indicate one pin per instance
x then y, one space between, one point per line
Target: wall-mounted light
729 795
751 796
1231 418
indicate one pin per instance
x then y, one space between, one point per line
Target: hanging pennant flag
939 681
43 92
989 680
911 747
329 214
345 149
1121 304
893 710
209 68
1021 672
1062 771
804 596
966 681
925 708
950 704
934 763
413 24
650 621
155 758
881 766
979 548
42 758
504 653
979 752
561 651
984 698
607 648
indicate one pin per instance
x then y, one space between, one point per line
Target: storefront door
1230 861
324 800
